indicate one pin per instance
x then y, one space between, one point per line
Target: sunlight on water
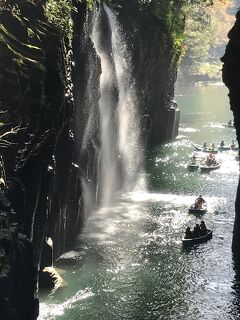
213 125
105 223
188 130
51 311
180 137
129 262
173 199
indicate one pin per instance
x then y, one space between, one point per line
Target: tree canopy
205 38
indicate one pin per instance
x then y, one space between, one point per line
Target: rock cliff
231 70
36 147
154 34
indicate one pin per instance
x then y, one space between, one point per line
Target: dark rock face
39 160
231 71
86 79
41 179
18 276
155 62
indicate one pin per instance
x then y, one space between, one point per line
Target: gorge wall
36 151
154 33
231 70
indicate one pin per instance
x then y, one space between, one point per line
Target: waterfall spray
120 155
129 144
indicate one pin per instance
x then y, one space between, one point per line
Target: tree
205 37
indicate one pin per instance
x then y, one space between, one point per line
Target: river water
130 264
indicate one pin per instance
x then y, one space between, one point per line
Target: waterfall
120 153
129 145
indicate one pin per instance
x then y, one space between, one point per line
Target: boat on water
196 210
193 241
205 167
207 150
192 166
228 125
224 148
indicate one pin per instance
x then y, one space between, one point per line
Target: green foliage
90 4
200 35
211 70
172 14
59 12
178 42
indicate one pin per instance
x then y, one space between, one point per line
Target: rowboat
235 148
192 166
193 241
228 125
195 210
205 167
207 150
224 148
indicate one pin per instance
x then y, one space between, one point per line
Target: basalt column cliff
231 71
36 151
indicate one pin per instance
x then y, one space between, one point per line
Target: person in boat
196 231
211 160
222 144
199 202
229 123
203 228
193 159
208 161
233 145
188 233
205 146
213 146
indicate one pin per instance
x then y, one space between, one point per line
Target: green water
130 263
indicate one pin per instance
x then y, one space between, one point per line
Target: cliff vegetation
205 39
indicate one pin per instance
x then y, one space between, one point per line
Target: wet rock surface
231 71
